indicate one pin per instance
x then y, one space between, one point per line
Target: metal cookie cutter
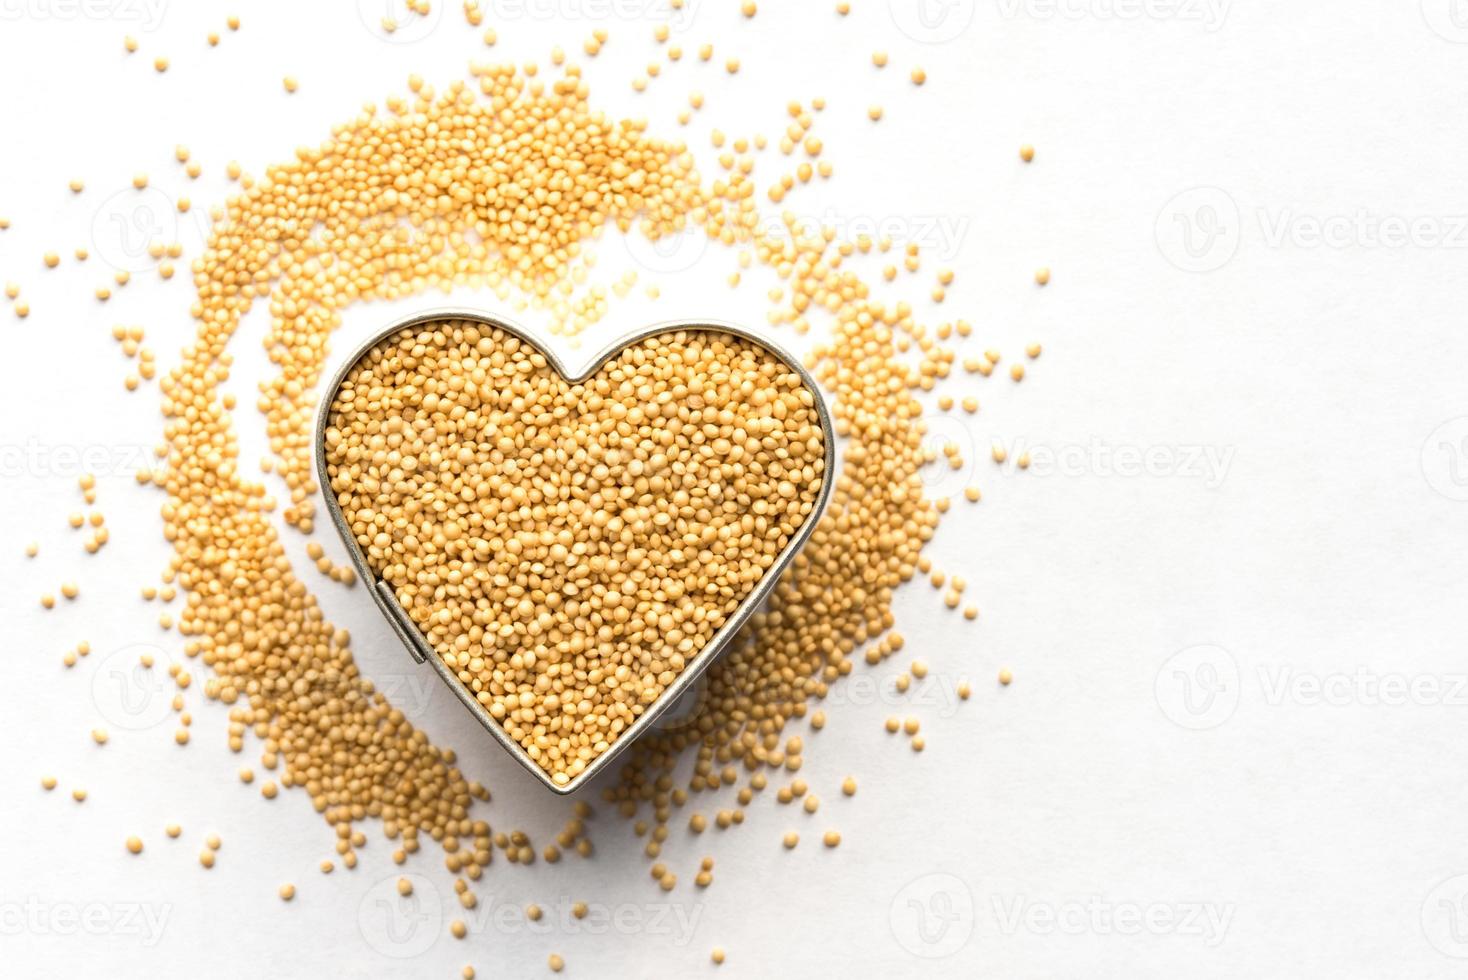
413 638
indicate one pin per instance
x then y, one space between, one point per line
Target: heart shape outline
408 632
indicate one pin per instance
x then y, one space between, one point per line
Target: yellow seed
458 929
1033 350
233 22
879 58
289 83
556 963
580 173
1027 153
718 952
748 8
780 498
831 839
874 113
160 64
1042 276
287 892
173 830
848 786
130 44
206 858
48 783
405 887
99 735
918 743
919 76
1005 677
140 181
135 845
51 259
80 795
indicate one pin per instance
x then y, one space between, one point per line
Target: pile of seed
502 183
569 549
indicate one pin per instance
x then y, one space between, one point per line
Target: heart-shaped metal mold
417 644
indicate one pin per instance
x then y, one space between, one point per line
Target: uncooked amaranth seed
329 228
669 483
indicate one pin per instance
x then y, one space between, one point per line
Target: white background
1235 741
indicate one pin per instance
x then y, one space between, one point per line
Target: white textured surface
1102 816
